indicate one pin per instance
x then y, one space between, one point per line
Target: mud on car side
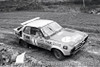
49 35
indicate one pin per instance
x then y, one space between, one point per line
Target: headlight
65 47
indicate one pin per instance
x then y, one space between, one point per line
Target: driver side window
33 31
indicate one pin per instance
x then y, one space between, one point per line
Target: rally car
49 35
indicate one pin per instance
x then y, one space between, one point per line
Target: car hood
68 36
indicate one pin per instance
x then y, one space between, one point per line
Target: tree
83 3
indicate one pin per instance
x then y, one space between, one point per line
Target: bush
31 6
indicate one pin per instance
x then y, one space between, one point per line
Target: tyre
23 43
58 54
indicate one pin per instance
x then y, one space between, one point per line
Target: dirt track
89 56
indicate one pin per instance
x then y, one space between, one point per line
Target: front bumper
75 49
79 46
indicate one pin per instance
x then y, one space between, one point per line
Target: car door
34 32
29 35
43 42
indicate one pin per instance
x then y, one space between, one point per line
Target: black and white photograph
49 33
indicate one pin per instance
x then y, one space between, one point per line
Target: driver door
34 32
43 42
29 34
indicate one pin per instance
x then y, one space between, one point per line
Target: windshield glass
51 29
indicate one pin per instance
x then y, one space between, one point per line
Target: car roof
39 23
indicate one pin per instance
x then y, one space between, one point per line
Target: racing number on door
44 43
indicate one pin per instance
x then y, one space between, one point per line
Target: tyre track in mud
81 58
48 56
89 56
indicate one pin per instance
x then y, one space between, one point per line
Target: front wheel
58 54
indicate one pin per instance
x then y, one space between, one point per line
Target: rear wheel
58 54
23 43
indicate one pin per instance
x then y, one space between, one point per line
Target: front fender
65 52
56 47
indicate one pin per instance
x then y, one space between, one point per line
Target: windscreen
51 28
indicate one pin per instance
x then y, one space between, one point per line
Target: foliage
34 5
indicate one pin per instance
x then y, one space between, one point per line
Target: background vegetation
48 5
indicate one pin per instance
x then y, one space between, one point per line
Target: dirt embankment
31 5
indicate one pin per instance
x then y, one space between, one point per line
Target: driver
36 35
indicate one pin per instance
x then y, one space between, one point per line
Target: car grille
75 49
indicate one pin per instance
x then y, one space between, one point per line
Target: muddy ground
89 56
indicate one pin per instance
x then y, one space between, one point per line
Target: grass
30 5
89 23
8 6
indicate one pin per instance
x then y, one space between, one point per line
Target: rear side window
26 30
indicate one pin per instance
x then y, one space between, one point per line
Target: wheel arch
59 55
56 48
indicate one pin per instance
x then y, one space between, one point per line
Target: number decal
44 43
48 42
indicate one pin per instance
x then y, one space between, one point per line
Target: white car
50 35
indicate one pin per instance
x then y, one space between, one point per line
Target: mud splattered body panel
48 34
